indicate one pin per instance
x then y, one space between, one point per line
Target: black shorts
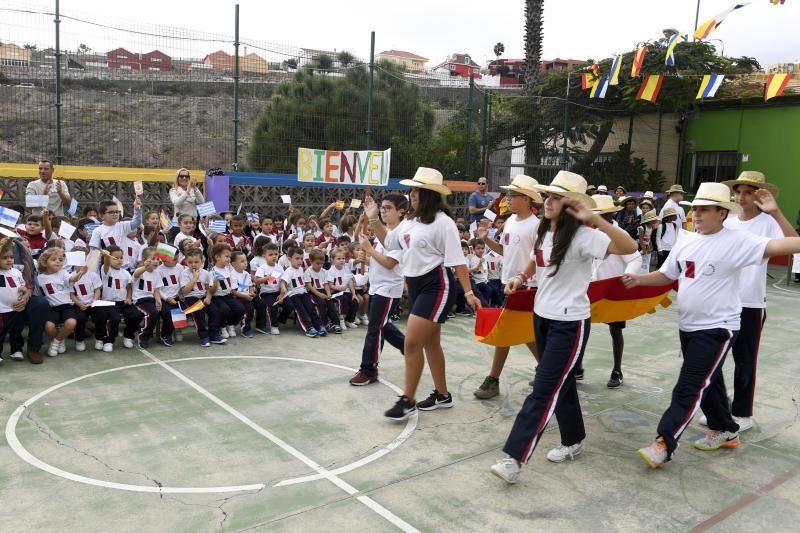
61 313
616 325
362 291
431 295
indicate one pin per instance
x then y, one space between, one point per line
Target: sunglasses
183 176
481 183
112 212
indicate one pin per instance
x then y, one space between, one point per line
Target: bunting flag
708 27
638 60
616 67
674 41
198 305
600 88
709 86
166 222
776 2
595 69
512 324
776 83
587 81
650 87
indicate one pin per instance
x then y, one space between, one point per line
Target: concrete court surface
233 438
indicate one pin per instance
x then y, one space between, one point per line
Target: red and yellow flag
638 60
587 81
650 87
198 305
776 83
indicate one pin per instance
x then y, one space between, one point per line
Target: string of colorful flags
651 85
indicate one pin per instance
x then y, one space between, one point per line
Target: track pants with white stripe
561 343
147 308
378 330
700 384
745 358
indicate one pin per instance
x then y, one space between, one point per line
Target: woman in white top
385 291
516 244
562 260
429 241
184 195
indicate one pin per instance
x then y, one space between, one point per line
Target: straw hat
602 188
648 217
618 187
649 195
524 185
568 184
675 188
427 178
647 201
668 212
624 199
604 204
753 179
591 189
717 194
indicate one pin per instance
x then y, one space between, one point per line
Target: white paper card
66 230
286 198
103 303
473 227
37 200
336 295
491 215
76 259
93 259
138 188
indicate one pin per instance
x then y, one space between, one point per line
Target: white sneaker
562 453
52 351
128 343
17 356
80 346
231 331
178 335
507 469
703 421
351 325
364 320
223 332
745 422
343 324
274 331
62 346
108 347
98 345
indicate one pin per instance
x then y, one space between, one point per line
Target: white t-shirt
667 235
796 264
563 296
479 276
518 239
284 262
316 279
295 284
426 246
84 287
116 235
204 280
11 281
179 238
616 265
709 267
170 280
115 284
339 277
145 285
56 287
225 278
256 262
494 265
131 251
273 273
753 279
385 281
678 210
242 281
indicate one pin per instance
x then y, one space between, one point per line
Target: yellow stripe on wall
67 172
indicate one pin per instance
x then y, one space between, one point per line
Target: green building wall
768 136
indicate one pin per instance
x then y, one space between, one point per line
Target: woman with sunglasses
562 261
185 195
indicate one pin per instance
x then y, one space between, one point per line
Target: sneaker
364 320
311 333
108 347
263 331
403 409
714 440
579 374
436 401
128 343
17 356
562 453
703 421
394 318
219 339
488 389
463 313
52 351
274 331
337 329
655 454
745 422
231 331
322 332
223 332
166 341
615 380
361 379
98 345
351 325
204 342
35 357
451 314
507 469
80 346
342 324
62 346
178 335
144 343
248 334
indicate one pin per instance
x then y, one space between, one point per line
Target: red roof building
125 59
460 65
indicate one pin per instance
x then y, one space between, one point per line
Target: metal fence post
468 157
235 164
485 133
371 88
566 122
59 154
630 153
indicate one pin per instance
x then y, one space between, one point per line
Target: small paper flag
285 198
198 305
166 222
178 318
253 217
355 203
119 206
91 227
8 217
220 226
165 252
206 209
66 230
138 188
339 204
37 200
73 207
491 215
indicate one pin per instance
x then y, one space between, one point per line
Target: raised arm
621 242
766 202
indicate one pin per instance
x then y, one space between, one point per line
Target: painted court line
297 454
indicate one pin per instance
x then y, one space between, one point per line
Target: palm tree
534 10
499 48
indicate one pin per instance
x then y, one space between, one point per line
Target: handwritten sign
347 167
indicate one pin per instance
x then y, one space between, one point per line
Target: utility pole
371 88
59 154
235 164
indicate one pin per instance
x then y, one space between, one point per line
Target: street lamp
723 45
697 16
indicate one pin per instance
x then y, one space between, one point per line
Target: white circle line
15 444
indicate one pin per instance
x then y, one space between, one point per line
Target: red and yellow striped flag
198 305
638 60
587 81
776 83
650 87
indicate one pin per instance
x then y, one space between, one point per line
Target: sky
575 29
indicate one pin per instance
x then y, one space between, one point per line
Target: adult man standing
479 201
675 195
56 190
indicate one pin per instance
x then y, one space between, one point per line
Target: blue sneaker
248 334
204 342
322 332
312 333
218 339
263 331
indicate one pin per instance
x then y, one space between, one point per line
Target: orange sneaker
714 440
656 454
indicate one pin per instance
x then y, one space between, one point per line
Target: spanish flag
708 27
198 305
650 87
587 81
776 83
616 67
638 60
512 324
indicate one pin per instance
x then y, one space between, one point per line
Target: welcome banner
365 167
